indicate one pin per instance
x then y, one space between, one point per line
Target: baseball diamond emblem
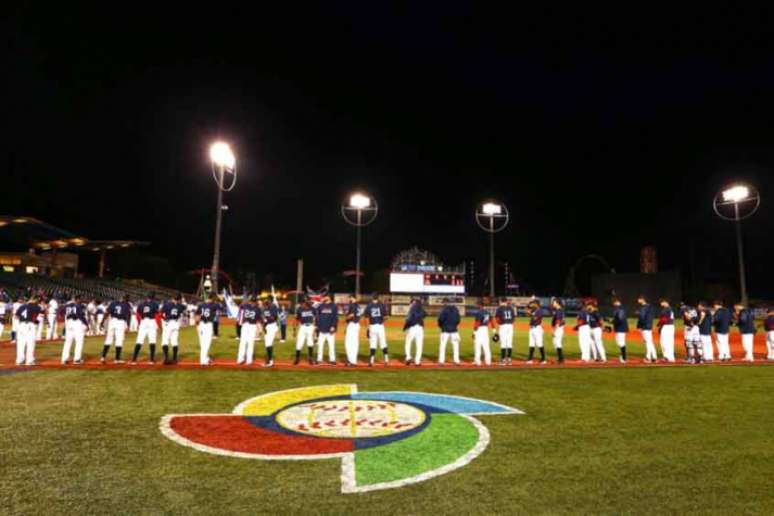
385 439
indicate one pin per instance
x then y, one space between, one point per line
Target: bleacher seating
16 284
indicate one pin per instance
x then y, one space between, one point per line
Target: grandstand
16 284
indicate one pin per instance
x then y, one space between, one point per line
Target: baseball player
414 326
352 334
205 315
645 325
595 323
101 308
745 321
705 332
448 323
584 333
75 330
171 312
535 312
147 311
51 312
305 316
481 326
119 313
3 315
620 328
768 326
505 316
376 313
694 350
41 322
721 320
134 319
282 313
27 317
666 326
91 317
15 318
557 323
249 315
327 321
269 316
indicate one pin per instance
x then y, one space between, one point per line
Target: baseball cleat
102 360
78 362
270 363
408 361
528 362
119 361
64 362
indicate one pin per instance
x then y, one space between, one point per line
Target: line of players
317 325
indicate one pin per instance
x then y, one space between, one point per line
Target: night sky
602 131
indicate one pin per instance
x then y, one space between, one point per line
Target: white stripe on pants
205 340
506 336
650 348
747 344
557 337
481 342
724 351
116 332
455 341
667 341
377 336
415 334
330 339
25 343
74 332
352 341
246 343
305 334
584 341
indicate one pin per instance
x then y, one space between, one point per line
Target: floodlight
491 208
359 201
221 155
736 193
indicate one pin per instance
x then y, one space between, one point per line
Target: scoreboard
427 283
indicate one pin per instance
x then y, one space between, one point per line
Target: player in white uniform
3 315
352 332
481 336
91 317
505 316
205 315
694 350
41 323
101 309
75 328
768 326
15 319
27 316
51 312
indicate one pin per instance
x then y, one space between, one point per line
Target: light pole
359 210
727 205
492 217
223 162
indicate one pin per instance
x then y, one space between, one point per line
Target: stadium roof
29 232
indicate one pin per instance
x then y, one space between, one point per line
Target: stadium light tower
223 166
492 217
737 202
359 210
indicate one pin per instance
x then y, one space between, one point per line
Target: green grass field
678 440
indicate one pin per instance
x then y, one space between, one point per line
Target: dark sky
602 131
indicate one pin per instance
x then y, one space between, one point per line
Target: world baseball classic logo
385 439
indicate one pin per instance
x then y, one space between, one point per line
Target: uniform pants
693 344
415 334
747 344
74 332
133 323
584 341
770 345
147 329
51 327
25 343
706 344
205 340
667 341
650 348
116 332
330 338
246 343
376 336
352 341
598 344
100 320
41 323
455 341
723 350
170 333
270 333
283 331
305 334
506 336
481 344
620 339
557 337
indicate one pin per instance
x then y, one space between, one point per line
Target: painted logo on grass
384 439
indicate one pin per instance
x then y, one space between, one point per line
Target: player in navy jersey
535 312
505 316
249 317
645 318
721 320
584 333
147 311
270 318
305 316
352 332
119 313
768 326
745 321
448 323
376 313
596 323
691 335
282 314
666 325
481 326
414 326
620 328
76 325
171 313
27 315
327 320
206 313
705 331
557 323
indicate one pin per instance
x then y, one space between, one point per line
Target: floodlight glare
491 208
221 155
359 201
736 193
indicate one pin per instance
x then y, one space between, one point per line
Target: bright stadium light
221 156
736 193
492 217
491 208
359 201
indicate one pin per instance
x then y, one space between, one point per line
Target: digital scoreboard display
427 283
